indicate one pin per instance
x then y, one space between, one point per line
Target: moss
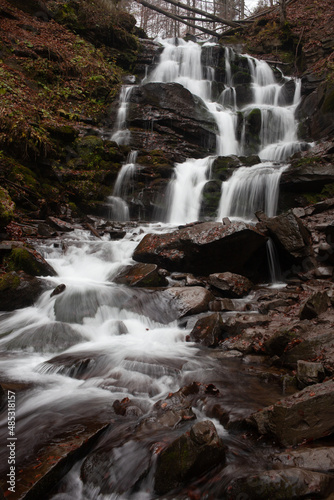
25 177
21 260
9 281
7 207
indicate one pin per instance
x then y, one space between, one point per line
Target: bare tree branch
176 18
203 13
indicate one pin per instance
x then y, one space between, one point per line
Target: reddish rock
307 414
209 330
146 275
314 305
231 285
206 248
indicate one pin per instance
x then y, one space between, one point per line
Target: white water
118 207
130 355
185 191
249 189
121 134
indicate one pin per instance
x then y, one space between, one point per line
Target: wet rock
55 457
315 305
208 330
290 235
172 411
170 112
231 285
190 455
292 483
313 344
307 175
116 469
310 373
222 305
45 230
318 459
58 290
52 337
18 289
205 248
170 304
146 275
59 224
278 342
20 257
307 414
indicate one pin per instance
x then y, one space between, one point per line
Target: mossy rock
211 198
29 261
64 133
25 177
7 207
18 290
223 167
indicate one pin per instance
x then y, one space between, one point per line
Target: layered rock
167 116
206 248
308 414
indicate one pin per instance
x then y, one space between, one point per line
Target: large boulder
18 289
190 455
293 483
206 248
167 116
307 414
292 238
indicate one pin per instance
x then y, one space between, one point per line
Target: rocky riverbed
279 335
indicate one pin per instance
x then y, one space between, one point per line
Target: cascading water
185 191
71 356
118 207
249 190
121 134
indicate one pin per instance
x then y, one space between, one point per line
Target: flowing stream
70 356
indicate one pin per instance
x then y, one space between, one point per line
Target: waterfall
185 192
270 124
273 262
249 190
121 134
118 207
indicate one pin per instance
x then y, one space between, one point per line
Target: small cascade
278 134
228 98
116 203
273 263
185 190
121 134
249 190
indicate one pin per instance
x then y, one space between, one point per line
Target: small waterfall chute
121 134
116 203
185 191
249 190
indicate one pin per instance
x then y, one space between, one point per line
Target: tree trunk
203 13
176 18
282 7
